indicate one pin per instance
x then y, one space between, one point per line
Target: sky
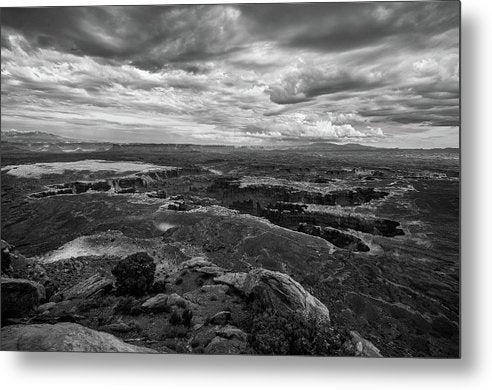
382 74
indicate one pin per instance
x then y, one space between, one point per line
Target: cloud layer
378 73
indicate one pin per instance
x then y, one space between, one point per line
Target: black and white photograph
232 179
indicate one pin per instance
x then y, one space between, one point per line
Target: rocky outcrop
222 340
362 223
63 337
283 294
359 346
221 318
234 279
15 265
156 303
202 308
222 346
289 206
20 297
195 262
163 302
119 185
139 182
292 217
231 332
335 236
88 288
176 300
231 191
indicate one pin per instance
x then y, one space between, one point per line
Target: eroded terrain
372 234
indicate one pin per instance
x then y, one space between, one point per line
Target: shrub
292 334
181 318
175 318
93 303
6 260
181 304
159 286
175 331
128 305
134 274
194 344
199 349
186 317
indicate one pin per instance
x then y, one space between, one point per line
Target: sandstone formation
88 288
283 294
63 337
139 182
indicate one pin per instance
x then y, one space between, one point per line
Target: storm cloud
376 73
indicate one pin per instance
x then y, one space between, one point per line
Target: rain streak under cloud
383 74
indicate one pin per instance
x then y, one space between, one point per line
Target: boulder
63 337
88 288
206 293
234 279
157 302
176 300
220 318
222 346
214 289
20 297
231 332
281 293
21 267
362 347
46 306
205 335
119 326
196 262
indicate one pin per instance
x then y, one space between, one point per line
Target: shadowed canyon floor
368 240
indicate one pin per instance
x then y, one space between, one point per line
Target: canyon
370 236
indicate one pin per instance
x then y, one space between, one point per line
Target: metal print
269 179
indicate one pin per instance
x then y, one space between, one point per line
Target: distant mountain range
32 137
40 141
332 146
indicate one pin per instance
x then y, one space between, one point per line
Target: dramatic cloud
379 73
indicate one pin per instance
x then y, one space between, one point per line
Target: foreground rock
63 337
15 265
283 294
222 340
359 346
20 297
223 346
88 288
156 303
233 279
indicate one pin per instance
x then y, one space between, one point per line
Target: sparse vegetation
291 334
128 305
175 331
134 274
93 303
181 317
159 286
